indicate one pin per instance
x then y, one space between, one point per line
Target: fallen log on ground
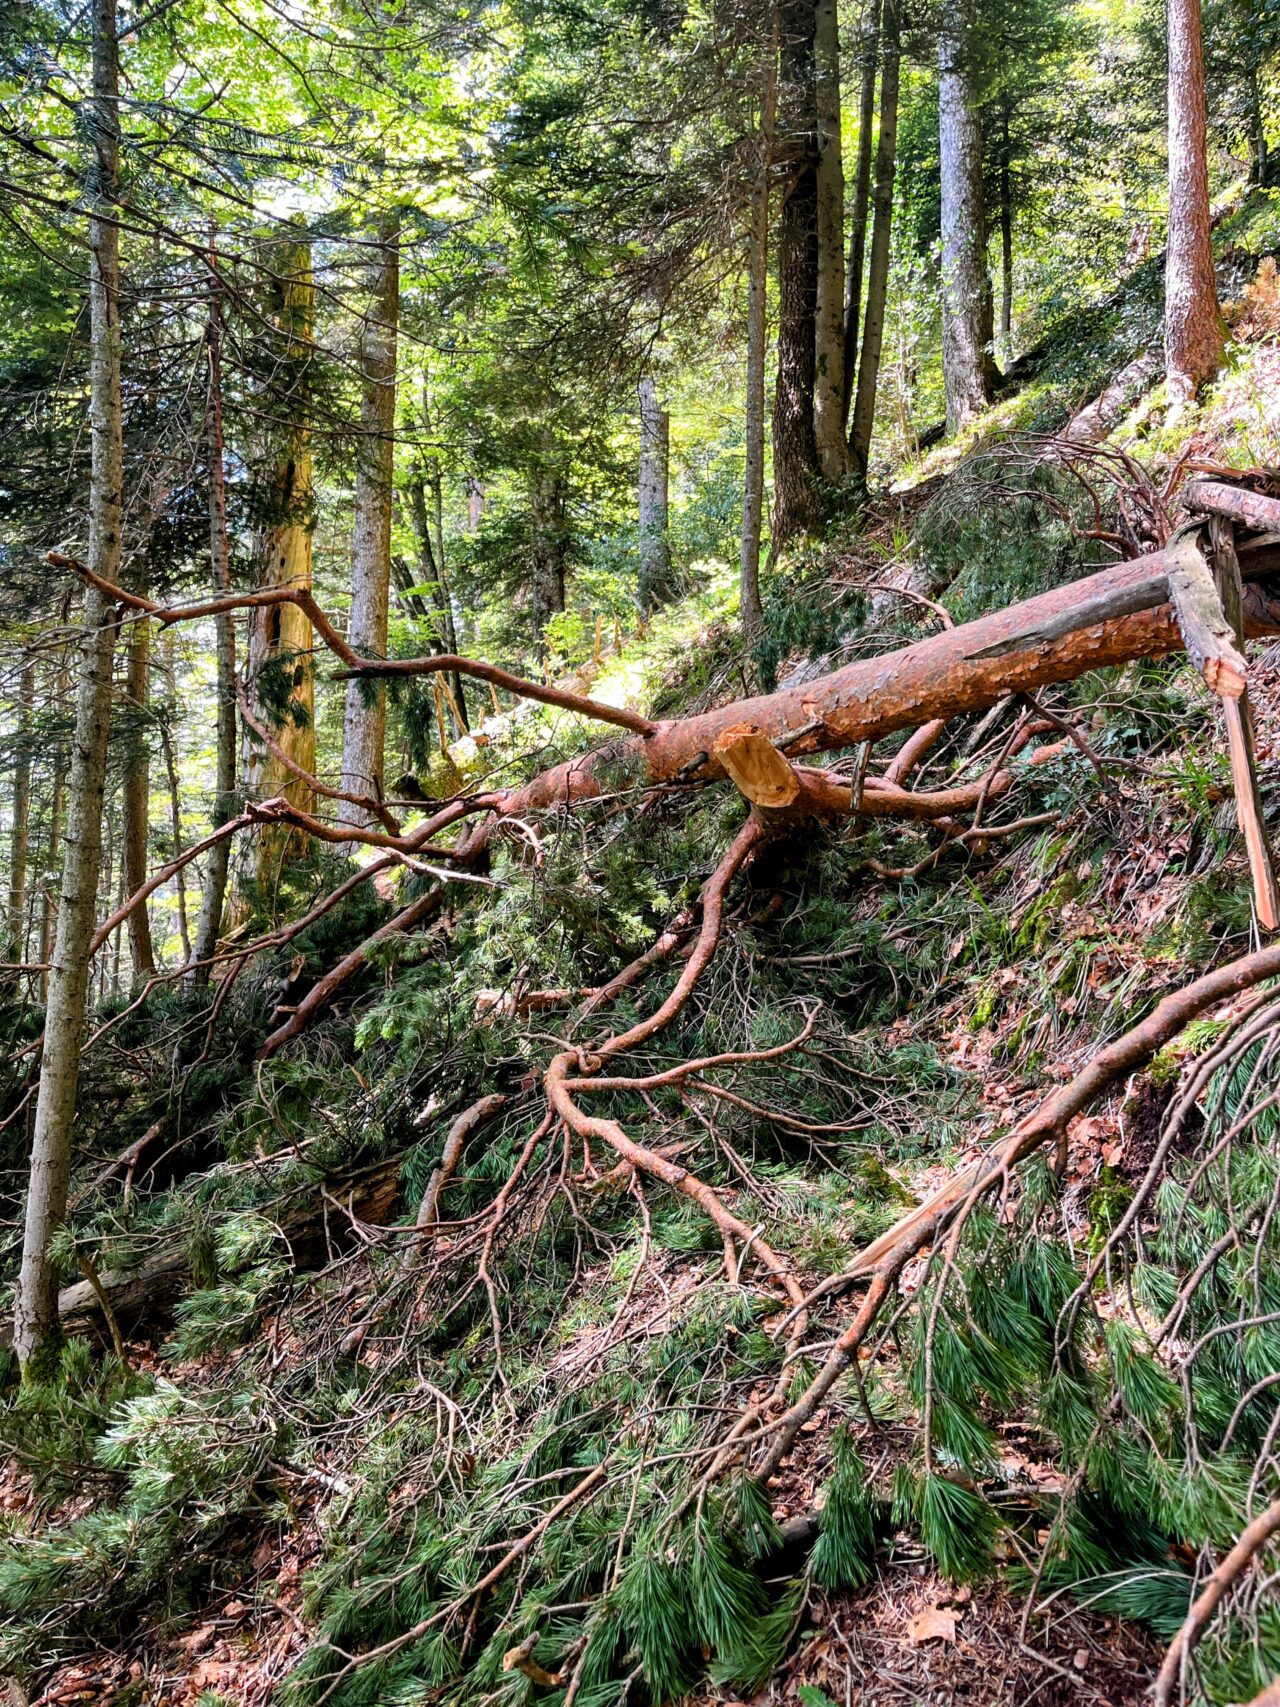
314 1229
1114 617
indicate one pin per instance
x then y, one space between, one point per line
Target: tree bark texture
829 381
652 488
36 1302
20 824
868 55
864 408
53 854
364 724
750 610
1193 329
135 790
225 804
1006 243
796 471
966 288
431 574
280 636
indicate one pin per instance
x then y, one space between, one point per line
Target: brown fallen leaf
934 1624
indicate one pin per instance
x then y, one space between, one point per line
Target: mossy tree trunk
279 678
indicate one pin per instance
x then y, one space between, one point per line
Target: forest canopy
639 720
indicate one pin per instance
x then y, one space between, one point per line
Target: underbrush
519 1444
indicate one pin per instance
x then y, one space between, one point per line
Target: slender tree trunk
365 722
869 54
53 853
114 896
135 791
1193 329
1006 244
655 461
175 800
966 288
475 504
546 511
279 672
209 923
796 470
431 575
1258 161
456 679
20 828
829 380
757 329
36 1301
864 408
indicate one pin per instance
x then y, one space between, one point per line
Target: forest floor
971 988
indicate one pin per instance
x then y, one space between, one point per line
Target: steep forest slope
507 1331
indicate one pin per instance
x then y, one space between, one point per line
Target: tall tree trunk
655 462
20 827
1006 243
751 611
546 513
796 471
135 790
431 574
966 288
36 1301
829 381
209 924
279 673
53 853
112 898
364 725
475 504
868 54
175 799
864 408
1193 329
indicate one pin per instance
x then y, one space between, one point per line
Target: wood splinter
756 768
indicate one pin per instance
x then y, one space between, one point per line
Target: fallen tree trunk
312 1230
1113 617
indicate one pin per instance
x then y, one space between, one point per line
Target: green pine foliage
844 1552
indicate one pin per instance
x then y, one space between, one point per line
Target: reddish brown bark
1052 638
